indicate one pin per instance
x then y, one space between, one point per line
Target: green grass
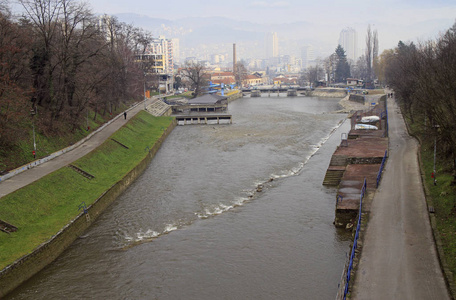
42 208
376 92
443 197
21 153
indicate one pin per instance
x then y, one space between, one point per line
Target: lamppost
33 112
87 120
435 153
145 91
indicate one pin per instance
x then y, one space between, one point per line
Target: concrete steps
80 171
333 177
338 160
158 108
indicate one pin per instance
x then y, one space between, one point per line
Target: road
22 179
399 259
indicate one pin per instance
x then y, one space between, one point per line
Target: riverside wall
27 266
327 93
234 96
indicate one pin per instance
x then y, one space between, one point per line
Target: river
196 226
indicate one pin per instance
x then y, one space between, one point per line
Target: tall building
307 56
272 45
348 39
176 50
164 48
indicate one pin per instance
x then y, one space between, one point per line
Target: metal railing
379 175
355 241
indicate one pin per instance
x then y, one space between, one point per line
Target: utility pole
435 153
234 60
33 113
145 92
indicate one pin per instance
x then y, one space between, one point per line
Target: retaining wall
27 266
327 93
234 96
357 98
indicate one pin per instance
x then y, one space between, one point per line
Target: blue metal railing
385 113
355 242
379 175
339 198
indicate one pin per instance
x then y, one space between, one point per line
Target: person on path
125 115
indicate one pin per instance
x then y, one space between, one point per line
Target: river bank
65 199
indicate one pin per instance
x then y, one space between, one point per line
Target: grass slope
21 153
442 195
42 208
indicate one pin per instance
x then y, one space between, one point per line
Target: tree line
59 60
337 68
423 78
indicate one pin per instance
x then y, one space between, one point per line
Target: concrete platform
352 183
368 150
359 158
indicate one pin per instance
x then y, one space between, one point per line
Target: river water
194 226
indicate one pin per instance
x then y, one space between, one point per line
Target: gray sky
394 20
406 20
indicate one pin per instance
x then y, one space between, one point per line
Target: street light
145 92
435 153
33 112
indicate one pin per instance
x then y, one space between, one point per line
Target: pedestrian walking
125 115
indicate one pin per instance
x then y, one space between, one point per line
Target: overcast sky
406 20
394 19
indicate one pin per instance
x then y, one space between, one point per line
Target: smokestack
234 58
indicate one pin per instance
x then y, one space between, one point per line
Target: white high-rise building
348 39
307 56
272 45
176 50
164 48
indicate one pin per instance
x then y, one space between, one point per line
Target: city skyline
404 20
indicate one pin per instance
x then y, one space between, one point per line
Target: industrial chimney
234 58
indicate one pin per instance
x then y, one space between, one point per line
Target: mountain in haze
194 31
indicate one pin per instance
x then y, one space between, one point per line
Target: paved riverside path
26 177
399 259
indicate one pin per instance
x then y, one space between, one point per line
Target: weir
203 119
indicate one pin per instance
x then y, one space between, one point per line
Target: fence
347 270
379 175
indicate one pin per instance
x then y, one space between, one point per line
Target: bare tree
14 79
360 69
368 54
375 54
314 74
330 64
240 73
423 80
195 73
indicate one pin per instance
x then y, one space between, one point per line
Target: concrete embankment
25 267
327 93
355 169
233 96
359 156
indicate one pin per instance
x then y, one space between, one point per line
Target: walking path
399 259
22 179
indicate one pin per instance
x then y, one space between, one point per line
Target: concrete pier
357 158
292 93
255 93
